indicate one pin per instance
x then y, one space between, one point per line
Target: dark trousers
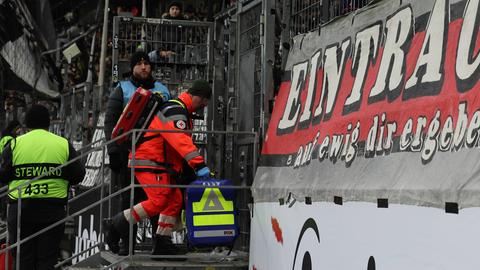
39 253
120 180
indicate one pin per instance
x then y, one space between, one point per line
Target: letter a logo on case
212 203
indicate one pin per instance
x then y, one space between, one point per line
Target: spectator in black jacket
174 12
170 36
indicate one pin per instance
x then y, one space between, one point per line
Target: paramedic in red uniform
141 77
158 160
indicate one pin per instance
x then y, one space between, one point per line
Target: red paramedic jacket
165 151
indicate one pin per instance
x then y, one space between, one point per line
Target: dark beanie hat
37 117
175 3
137 57
201 88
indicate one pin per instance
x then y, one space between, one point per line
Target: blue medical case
211 215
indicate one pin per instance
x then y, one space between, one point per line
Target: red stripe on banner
398 110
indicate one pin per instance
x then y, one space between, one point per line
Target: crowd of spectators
190 10
77 69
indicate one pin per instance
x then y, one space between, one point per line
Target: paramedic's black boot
163 246
124 246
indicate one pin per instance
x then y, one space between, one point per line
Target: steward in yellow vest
35 154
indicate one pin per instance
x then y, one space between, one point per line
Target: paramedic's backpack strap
128 89
178 102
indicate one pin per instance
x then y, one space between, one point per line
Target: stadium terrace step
142 260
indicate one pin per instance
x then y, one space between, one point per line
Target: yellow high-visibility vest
35 154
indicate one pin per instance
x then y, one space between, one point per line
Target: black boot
125 245
163 246
115 229
111 235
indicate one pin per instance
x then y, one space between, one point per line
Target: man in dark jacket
160 160
36 155
141 77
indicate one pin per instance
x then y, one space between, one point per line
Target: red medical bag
138 114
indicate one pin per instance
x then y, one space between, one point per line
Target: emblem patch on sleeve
180 124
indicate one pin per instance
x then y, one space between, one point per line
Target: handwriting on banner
427 136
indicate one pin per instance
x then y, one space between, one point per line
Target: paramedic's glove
203 172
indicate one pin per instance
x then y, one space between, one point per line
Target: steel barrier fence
180 51
74 119
308 15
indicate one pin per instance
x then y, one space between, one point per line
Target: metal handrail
130 187
76 255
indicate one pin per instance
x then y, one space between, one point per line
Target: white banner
359 236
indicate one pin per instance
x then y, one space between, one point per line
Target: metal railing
106 198
308 15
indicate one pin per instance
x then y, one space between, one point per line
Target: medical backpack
211 215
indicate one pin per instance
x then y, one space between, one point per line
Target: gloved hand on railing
203 172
